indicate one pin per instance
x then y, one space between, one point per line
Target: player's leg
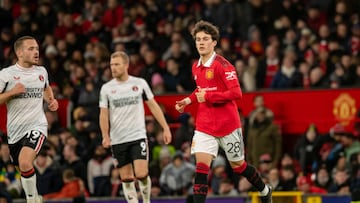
205 148
140 154
233 146
128 183
124 162
142 175
32 144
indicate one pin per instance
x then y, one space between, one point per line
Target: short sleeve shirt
126 108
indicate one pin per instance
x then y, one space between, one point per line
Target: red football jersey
218 116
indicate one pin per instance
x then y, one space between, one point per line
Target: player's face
28 53
118 68
204 43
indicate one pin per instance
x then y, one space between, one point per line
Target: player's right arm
105 126
5 96
180 105
104 117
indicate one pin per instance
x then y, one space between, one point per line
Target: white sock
130 192
145 189
265 191
29 186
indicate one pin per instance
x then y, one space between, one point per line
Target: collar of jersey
23 68
208 62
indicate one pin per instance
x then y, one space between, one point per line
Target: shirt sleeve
103 98
147 94
3 81
46 77
232 88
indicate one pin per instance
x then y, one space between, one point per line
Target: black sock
250 173
201 185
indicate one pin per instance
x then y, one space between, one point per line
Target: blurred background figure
264 137
176 177
304 148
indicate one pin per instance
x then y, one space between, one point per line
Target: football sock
28 182
130 191
201 185
250 173
145 189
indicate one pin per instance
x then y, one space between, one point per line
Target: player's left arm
53 104
233 92
159 116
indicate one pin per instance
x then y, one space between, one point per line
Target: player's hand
53 104
180 105
167 136
106 142
19 88
200 95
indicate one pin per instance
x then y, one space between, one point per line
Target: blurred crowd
273 44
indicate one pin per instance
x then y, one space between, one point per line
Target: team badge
113 91
209 74
16 77
41 78
135 88
344 108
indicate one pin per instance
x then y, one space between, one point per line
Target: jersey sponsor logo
135 88
209 74
126 101
41 78
230 75
16 77
30 93
210 88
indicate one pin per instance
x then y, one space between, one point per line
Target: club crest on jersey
209 74
113 91
41 78
135 88
16 77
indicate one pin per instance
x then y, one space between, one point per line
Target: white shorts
232 144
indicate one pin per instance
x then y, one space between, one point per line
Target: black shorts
33 139
126 153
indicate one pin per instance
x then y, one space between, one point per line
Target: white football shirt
25 111
126 109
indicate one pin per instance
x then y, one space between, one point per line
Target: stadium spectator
48 173
323 179
263 137
73 187
259 103
304 149
98 170
305 185
176 177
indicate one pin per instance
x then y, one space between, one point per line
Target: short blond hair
121 54
19 42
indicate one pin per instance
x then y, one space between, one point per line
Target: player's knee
25 165
141 175
143 179
127 180
235 164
